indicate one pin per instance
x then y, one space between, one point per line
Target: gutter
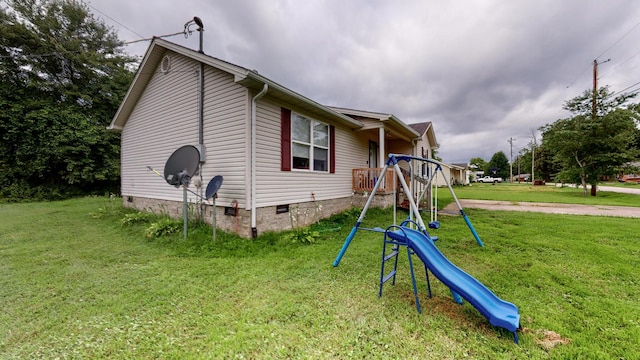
254 115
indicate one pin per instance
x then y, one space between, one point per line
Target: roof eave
255 81
248 78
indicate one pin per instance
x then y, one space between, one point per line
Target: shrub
304 236
136 218
163 227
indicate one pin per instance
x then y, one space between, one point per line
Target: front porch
364 179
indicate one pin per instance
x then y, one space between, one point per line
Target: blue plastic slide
499 312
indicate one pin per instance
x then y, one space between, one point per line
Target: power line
604 52
620 39
57 53
114 20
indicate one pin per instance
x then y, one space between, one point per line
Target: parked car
489 179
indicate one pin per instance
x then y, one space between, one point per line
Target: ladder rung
394 253
384 280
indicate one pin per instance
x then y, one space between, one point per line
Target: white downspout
254 115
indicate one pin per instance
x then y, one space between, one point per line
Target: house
456 174
286 159
460 173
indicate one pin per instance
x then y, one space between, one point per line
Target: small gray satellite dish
181 166
213 187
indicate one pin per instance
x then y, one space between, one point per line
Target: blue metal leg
426 271
413 279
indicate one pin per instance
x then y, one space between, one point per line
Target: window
309 144
303 154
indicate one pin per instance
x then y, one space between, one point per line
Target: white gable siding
166 118
226 134
423 144
275 187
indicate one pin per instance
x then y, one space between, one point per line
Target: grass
76 283
528 193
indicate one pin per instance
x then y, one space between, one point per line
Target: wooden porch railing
364 179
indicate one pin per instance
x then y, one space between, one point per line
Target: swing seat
434 225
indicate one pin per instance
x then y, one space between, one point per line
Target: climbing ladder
393 255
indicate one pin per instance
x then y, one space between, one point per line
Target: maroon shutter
285 139
332 149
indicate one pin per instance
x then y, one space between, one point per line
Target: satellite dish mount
178 171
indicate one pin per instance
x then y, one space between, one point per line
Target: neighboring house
286 159
475 173
630 173
460 173
456 174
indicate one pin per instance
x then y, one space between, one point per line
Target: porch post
382 159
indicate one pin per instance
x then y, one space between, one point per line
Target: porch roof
395 128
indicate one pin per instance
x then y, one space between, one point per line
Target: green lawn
528 193
76 283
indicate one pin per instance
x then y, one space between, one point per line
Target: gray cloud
481 71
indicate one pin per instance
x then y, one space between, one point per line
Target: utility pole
510 141
594 103
533 156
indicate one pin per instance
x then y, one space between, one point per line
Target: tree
499 165
63 75
588 147
479 163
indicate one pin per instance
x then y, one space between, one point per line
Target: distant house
283 156
630 173
475 173
456 174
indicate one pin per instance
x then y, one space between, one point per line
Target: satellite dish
181 166
213 187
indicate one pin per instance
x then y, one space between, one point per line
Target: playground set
413 235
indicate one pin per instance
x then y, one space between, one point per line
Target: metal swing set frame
414 210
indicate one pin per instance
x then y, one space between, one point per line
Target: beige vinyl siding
164 119
275 187
226 121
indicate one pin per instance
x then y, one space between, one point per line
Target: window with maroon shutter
332 149
285 139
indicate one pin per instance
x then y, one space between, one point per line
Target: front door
373 154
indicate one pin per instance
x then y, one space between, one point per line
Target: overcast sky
481 71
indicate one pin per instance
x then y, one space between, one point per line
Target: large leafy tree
498 165
63 74
591 144
479 163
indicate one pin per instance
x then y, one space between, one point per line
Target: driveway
550 208
624 190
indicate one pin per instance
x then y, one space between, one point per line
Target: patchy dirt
547 339
550 208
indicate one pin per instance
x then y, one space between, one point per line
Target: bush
163 227
136 218
304 236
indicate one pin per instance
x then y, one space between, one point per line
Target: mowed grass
551 194
76 283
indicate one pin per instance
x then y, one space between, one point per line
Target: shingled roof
421 127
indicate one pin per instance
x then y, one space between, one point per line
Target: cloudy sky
481 71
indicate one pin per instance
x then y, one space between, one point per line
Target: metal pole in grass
213 217
185 215
212 193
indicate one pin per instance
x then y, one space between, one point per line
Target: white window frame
311 144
